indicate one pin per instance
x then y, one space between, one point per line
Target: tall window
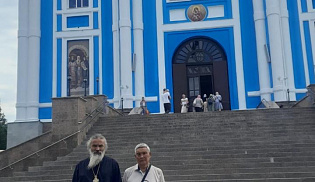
78 3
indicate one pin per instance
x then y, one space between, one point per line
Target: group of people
101 168
212 103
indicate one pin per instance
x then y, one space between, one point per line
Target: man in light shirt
143 170
166 100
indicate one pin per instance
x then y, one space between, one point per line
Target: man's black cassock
109 171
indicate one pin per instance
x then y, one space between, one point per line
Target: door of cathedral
200 68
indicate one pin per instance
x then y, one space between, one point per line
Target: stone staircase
230 146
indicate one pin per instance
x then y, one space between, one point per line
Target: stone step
187 171
202 155
239 176
251 145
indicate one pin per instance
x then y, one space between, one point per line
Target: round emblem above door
196 12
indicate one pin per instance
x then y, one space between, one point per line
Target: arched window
199 50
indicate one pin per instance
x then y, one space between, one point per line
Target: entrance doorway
202 62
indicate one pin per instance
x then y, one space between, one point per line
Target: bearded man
143 170
98 167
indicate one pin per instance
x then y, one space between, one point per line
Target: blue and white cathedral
247 50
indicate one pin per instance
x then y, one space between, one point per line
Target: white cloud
8 57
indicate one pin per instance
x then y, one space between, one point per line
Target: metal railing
91 115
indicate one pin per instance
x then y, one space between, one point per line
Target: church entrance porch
200 68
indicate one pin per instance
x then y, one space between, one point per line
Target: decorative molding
178 15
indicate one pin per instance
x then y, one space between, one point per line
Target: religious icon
78 66
196 12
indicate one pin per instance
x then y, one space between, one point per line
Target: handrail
80 130
39 150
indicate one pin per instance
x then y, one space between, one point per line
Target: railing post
122 105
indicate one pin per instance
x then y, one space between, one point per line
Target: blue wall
107 49
224 36
249 50
46 55
304 5
77 21
309 52
150 54
296 46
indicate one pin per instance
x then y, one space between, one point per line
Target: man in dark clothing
98 167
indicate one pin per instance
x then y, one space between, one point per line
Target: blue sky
8 56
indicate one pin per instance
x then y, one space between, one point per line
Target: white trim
100 52
307 16
85 33
306 74
197 25
215 11
116 53
45 105
258 93
64 68
54 58
161 48
239 56
310 6
138 60
177 15
91 65
45 120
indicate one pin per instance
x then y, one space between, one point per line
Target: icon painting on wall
196 12
78 67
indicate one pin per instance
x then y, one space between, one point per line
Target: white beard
95 159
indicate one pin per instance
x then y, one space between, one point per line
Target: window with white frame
78 3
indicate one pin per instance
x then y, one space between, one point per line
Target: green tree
3 131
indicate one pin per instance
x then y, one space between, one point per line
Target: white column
22 61
116 59
260 26
33 60
287 48
125 53
276 47
138 49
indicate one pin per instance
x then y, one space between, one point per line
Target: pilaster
287 48
116 54
138 50
22 62
259 18
125 53
33 60
276 47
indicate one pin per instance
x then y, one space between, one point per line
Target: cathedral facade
247 50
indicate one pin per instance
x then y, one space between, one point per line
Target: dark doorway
206 85
203 62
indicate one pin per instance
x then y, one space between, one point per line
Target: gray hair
142 145
96 136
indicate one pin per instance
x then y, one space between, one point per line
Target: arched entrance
200 67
